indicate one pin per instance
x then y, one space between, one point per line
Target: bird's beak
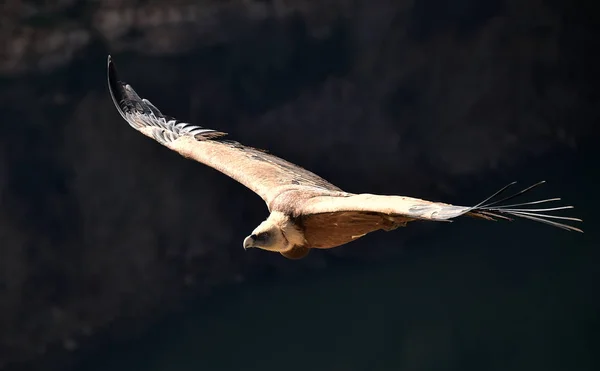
248 242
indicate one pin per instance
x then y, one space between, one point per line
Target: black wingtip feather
125 98
115 87
112 75
494 209
140 112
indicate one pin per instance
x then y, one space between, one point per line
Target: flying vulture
306 211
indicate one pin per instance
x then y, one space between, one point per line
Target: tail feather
492 210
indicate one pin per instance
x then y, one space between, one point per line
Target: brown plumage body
306 211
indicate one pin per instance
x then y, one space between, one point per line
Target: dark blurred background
118 254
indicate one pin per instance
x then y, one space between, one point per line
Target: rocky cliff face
101 227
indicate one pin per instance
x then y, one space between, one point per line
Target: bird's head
278 233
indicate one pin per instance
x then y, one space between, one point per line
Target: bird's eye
262 236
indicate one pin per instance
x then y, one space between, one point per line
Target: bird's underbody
306 211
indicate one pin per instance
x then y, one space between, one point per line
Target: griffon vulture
306 211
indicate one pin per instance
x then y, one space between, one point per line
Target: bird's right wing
265 174
408 208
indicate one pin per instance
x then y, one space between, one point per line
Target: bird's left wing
408 208
265 174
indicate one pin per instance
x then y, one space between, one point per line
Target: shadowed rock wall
99 224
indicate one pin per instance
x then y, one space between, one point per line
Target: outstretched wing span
265 174
367 212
